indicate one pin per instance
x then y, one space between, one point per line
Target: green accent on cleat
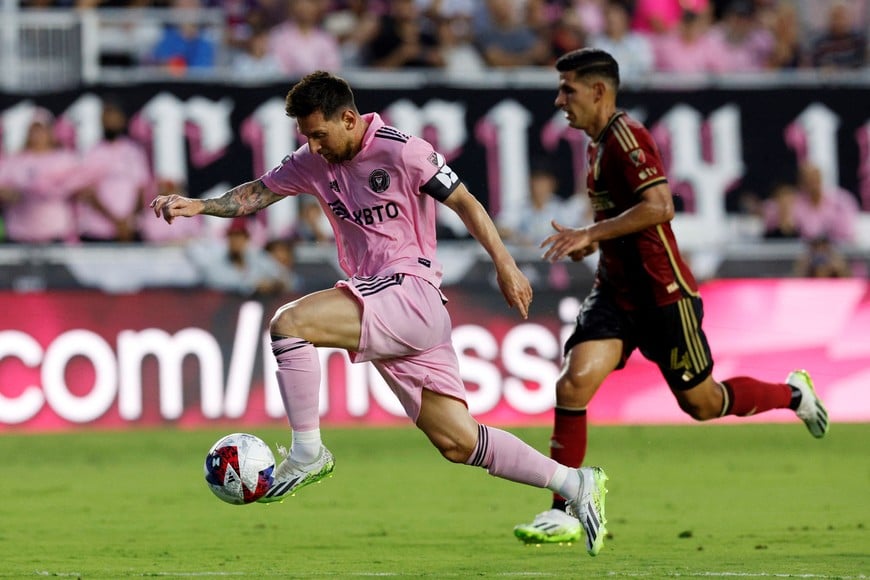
811 410
550 527
588 507
290 477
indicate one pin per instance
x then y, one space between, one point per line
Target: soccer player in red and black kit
644 296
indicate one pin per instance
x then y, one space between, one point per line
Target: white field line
218 574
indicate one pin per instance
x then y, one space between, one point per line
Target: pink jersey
44 211
119 171
381 203
747 55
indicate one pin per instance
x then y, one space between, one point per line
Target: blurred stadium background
128 328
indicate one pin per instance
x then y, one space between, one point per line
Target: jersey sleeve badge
637 157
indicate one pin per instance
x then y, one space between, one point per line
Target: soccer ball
239 468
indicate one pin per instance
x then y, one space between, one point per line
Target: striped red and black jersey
644 268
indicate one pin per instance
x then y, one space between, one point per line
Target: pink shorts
406 334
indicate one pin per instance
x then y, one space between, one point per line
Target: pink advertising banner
90 360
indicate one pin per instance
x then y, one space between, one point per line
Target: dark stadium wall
716 143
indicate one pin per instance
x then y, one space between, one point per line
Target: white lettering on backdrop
705 154
519 368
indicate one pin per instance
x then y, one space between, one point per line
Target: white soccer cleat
290 476
549 527
588 507
811 410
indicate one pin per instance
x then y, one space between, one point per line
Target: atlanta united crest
637 157
379 180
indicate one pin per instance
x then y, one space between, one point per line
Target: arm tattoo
241 200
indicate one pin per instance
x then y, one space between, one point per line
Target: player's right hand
515 287
171 206
570 242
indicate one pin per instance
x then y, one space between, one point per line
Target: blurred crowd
49 194
822 218
261 38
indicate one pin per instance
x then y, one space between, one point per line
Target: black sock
559 504
795 398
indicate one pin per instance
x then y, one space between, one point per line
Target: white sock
566 482
305 446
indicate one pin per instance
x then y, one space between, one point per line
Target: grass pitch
696 501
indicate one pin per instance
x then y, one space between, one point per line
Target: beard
113 134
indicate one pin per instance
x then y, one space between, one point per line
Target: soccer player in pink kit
379 188
644 296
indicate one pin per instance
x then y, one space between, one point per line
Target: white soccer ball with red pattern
239 468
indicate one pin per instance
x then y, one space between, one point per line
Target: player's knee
703 401
453 445
573 391
453 450
699 411
285 322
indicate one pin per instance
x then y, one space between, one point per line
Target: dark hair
590 61
319 91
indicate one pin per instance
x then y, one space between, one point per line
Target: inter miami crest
379 180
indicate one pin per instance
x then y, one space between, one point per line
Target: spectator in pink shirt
811 210
661 16
35 194
115 175
300 43
824 211
690 47
748 46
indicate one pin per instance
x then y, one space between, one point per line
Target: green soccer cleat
811 410
588 507
290 476
550 527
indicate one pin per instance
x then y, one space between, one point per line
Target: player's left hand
515 288
576 243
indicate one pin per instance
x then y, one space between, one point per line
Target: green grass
708 500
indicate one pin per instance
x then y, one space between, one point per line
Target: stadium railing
54 49
42 50
125 268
